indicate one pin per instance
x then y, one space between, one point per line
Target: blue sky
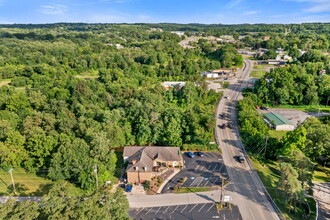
174 11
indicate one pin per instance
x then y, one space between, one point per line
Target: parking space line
193 207
139 211
209 166
219 168
215 167
175 209
201 207
166 209
200 181
148 211
157 210
183 208
206 154
214 180
207 181
210 207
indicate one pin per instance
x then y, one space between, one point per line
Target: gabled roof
277 119
144 156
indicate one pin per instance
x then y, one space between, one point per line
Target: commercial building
278 122
144 163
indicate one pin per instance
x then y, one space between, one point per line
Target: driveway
322 195
204 171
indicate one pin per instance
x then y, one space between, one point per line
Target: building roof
277 119
144 156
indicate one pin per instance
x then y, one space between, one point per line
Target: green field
260 67
306 108
277 134
257 73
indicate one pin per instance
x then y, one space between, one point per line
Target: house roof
144 156
277 119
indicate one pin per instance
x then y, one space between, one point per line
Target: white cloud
251 12
53 9
233 3
316 5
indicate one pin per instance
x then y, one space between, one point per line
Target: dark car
189 154
129 188
223 126
230 125
240 159
264 108
221 115
201 154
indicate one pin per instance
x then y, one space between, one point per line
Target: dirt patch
4 83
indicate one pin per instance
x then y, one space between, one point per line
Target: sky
171 11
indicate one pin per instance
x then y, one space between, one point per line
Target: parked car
230 125
264 108
227 97
129 188
223 126
221 115
240 159
201 154
189 154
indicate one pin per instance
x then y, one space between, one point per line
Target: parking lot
205 171
183 212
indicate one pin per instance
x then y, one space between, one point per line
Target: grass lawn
259 67
193 189
269 175
321 174
257 73
32 185
277 134
306 108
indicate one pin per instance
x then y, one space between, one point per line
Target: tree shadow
42 190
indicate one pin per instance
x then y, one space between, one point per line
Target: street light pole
12 179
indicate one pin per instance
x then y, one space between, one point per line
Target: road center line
251 213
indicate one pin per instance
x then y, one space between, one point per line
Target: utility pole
12 179
221 193
96 178
265 146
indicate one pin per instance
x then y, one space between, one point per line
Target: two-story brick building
147 162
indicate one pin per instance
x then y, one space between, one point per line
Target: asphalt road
249 192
